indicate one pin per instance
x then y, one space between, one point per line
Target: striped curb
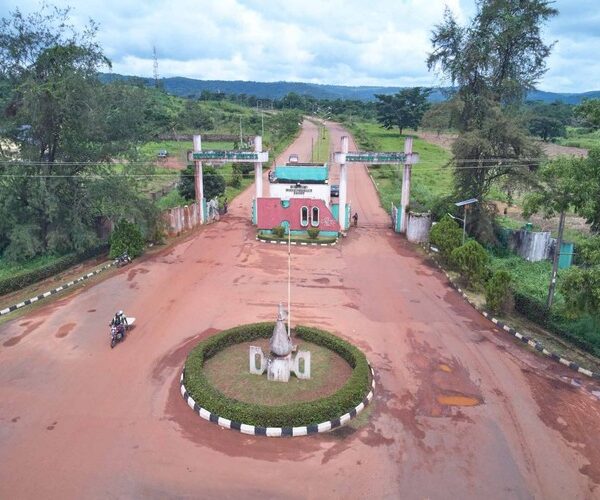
42 296
278 431
538 346
297 243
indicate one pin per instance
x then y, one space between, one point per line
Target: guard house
299 198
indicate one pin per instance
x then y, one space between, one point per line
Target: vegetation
446 236
313 233
402 110
589 112
471 260
290 415
492 66
126 237
498 292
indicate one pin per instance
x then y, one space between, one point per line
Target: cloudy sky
349 42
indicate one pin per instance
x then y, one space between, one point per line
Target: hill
189 87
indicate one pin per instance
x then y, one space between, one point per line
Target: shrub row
289 415
26 278
537 311
298 239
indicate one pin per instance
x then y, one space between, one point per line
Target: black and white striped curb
297 243
42 296
279 431
538 346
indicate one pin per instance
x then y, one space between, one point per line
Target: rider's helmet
120 313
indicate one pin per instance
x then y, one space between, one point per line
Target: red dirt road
79 420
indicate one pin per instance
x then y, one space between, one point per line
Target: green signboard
384 157
226 155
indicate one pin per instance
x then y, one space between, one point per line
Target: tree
441 116
213 183
581 290
561 185
68 127
497 291
126 237
404 109
471 260
492 61
446 236
589 112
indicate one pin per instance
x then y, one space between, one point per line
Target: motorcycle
122 260
117 332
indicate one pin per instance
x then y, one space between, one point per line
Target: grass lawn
580 138
9 269
228 372
430 178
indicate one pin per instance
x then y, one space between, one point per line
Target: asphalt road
460 410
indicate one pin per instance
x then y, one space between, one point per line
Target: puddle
15 340
457 400
64 330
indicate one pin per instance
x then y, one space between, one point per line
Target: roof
302 173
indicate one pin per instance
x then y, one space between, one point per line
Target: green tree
581 290
404 109
589 112
126 237
446 235
471 260
497 291
213 183
561 184
492 61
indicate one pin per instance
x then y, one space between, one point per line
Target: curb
42 296
278 431
297 243
538 346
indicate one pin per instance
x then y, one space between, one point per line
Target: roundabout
335 394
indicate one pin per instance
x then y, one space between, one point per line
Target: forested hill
276 90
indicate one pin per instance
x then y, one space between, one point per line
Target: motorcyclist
119 321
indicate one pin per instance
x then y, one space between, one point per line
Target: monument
284 357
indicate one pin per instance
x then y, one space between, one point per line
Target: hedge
21 280
289 415
298 239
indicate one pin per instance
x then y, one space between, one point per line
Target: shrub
126 237
446 236
236 176
471 260
497 291
279 231
290 415
581 291
313 232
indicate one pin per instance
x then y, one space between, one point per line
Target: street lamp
465 204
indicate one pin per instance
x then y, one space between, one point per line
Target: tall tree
492 61
67 127
404 109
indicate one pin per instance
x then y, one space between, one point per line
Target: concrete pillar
405 200
258 179
343 186
198 181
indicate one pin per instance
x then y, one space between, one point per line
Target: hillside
185 87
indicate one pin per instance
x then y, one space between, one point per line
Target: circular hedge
289 415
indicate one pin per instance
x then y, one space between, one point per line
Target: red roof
272 213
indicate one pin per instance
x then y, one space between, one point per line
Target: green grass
171 200
228 372
321 148
580 138
531 278
430 179
8 269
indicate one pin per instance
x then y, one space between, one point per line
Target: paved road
460 410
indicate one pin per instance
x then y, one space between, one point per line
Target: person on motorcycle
119 321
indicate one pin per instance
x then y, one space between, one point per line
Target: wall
287 191
417 229
181 219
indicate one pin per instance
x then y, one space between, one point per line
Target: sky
349 42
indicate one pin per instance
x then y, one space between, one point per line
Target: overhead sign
376 157
230 156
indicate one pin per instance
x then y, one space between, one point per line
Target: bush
497 292
126 238
581 291
21 280
279 231
236 176
446 236
290 415
471 260
313 232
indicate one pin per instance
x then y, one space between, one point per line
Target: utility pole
241 137
156 83
559 239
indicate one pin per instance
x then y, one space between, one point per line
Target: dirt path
460 411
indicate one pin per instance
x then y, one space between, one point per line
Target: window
304 216
315 216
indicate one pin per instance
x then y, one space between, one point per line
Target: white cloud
350 42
